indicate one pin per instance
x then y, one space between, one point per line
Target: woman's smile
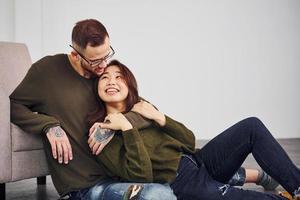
112 91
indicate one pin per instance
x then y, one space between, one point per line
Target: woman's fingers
106 125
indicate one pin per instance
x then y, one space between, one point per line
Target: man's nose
103 64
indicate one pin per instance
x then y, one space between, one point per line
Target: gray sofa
21 154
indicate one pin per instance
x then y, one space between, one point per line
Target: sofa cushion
29 164
15 62
5 138
33 141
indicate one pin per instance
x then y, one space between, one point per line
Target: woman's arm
179 132
125 155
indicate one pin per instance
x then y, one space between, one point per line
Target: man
54 100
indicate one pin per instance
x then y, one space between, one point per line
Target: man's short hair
89 31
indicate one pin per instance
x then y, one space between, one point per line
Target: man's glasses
98 62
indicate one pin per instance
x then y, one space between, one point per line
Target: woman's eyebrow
104 73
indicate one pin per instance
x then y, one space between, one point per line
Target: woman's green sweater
151 154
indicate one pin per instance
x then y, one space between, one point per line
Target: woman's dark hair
89 31
132 98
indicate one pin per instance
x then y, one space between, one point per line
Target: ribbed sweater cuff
131 136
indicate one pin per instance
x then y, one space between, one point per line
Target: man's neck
78 68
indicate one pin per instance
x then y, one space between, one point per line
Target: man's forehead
98 52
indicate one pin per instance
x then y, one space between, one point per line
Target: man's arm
126 156
29 121
137 120
173 128
26 100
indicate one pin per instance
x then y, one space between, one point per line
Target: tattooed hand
99 138
61 147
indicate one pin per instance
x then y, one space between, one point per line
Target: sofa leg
41 180
2 191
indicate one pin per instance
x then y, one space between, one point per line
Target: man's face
96 58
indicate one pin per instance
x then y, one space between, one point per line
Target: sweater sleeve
179 132
25 101
137 120
127 157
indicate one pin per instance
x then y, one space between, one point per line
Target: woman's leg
257 176
224 154
193 182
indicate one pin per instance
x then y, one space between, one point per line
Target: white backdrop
206 63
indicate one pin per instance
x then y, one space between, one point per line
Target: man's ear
74 55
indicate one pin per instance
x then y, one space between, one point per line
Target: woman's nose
111 81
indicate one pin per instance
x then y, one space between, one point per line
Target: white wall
205 63
7 20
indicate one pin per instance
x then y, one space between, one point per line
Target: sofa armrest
5 138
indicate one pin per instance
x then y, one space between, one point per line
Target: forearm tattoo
58 132
102 134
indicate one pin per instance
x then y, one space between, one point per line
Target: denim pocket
184 173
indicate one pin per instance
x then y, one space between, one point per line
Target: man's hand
61 147
95 144
147 110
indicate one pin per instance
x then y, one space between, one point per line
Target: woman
164 152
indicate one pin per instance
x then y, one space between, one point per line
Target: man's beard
88 73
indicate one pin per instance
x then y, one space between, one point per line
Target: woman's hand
147 110
116 121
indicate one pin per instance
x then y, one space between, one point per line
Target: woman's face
111 87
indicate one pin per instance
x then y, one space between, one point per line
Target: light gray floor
28 189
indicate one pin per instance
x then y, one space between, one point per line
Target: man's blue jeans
112 190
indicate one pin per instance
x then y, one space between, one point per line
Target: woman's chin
113 100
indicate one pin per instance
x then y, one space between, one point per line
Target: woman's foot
259 177
288 196
266 181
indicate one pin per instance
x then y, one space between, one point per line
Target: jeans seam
230 156
187 156
104 190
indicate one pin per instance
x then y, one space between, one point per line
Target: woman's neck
115 107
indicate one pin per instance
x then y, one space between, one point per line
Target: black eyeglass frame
98 61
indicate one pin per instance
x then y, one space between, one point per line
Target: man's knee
157 192
95 192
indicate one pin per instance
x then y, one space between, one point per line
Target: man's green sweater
149 154
53 93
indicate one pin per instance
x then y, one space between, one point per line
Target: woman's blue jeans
205 175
